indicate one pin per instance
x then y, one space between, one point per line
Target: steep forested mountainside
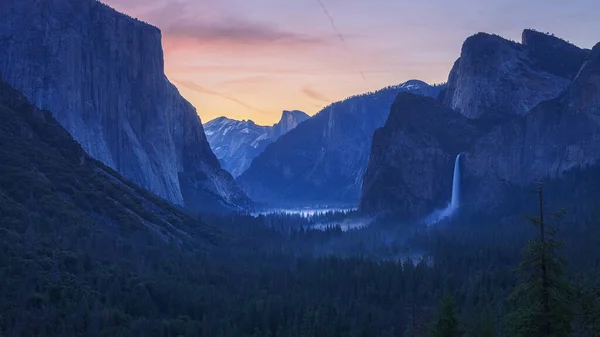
49 183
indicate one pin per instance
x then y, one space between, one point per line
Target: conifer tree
446 323
543 296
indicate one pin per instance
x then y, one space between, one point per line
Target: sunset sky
251 59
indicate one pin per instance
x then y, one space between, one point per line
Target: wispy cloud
238 32
246 69
202 90
264 69
315 95
189 23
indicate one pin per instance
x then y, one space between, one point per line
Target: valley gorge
413 210
323 160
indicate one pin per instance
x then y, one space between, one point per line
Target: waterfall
454 204
455 199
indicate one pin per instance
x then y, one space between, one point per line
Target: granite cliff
48 184
412 156
101 73
502 147
497 76
237 143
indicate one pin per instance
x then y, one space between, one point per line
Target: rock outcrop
101 73
237 143
497 76
48 182
412 157
500 151
323 160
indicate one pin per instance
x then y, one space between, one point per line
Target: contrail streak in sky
332 21
337 31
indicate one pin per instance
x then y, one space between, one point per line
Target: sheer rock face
102 74
497 76
412 157
410 167
323 160
237 143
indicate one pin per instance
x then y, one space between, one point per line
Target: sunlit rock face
102 74
322 161
409 172
237 143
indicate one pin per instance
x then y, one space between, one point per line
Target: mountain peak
484 45
237 142
289 120
219 119
532 37
553 54
501 77
294 114
413 84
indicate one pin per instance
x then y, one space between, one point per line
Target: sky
251 59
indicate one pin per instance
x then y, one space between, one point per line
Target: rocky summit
101 73
237 143
497 76
410 168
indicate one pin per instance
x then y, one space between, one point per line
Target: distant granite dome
410 165
237 143
102 74
323 160
497 76
289 120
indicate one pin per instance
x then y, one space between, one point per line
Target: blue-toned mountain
323 160
102 74
515 112
237 143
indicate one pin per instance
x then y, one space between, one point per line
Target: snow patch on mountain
236 143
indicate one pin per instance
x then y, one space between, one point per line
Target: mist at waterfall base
447 212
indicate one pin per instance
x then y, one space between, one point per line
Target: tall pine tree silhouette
446 323
543 296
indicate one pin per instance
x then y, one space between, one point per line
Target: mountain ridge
322 161
237 143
